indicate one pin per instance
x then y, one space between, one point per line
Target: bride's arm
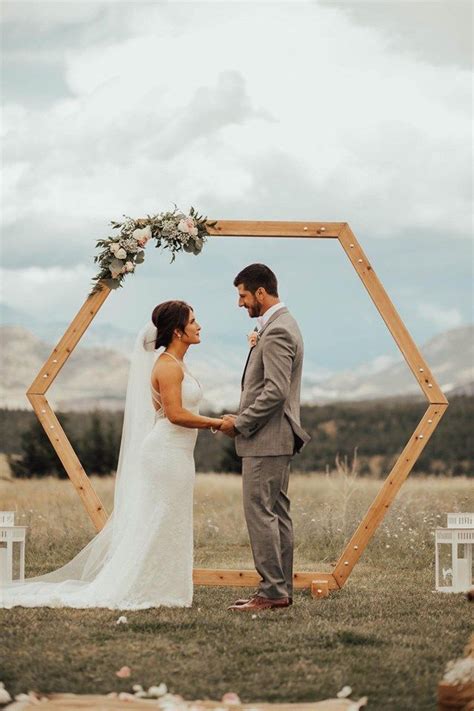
170 377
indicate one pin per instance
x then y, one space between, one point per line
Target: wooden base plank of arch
318 583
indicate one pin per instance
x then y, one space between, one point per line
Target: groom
267 433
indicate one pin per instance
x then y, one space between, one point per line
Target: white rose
183 226
194 231
144 234
120 253
129 266
114 246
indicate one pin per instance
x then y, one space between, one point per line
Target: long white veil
138 421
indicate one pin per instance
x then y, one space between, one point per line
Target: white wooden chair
10 534
456 542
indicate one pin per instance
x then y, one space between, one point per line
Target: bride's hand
216 425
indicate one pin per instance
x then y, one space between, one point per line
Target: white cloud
45 292
47 15
442 319
372 137
296 114
447 26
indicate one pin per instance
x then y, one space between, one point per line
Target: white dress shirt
262 320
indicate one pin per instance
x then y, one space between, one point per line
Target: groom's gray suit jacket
269 410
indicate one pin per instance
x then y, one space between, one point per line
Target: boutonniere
253 338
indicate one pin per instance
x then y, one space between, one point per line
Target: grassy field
386 634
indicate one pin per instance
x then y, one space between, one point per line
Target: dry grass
385 633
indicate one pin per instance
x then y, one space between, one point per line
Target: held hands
227 426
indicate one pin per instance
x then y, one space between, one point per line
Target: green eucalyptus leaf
116 263
112 283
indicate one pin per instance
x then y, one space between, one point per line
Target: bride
143 557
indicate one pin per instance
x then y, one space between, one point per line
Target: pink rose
142 236
231 698
123 673
183 226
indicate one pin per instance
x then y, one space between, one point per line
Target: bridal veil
78 583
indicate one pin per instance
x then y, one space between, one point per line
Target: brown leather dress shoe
244 600
258 603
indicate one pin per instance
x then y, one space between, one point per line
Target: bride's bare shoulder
167 368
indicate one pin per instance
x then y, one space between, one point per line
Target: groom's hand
227 426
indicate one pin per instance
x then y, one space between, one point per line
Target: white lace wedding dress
143 557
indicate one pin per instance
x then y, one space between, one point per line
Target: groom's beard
255 309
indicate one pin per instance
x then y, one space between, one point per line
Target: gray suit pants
267 513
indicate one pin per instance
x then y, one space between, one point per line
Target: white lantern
10 534
454 546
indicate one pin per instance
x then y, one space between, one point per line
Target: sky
356 112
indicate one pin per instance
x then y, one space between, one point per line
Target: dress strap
174 358
184 367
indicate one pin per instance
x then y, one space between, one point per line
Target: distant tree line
377 429
94 436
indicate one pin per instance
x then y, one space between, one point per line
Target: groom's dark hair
256 275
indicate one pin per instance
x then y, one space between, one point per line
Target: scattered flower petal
122 620
125 696
31 697
157 691
231 698
344 692
4 695
123 673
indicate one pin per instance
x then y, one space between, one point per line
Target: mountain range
95 375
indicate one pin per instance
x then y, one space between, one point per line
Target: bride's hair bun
167 317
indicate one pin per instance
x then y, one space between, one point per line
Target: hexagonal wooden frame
320 583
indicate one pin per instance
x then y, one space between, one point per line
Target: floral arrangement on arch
171 230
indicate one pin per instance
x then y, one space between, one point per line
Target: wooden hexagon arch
319 583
